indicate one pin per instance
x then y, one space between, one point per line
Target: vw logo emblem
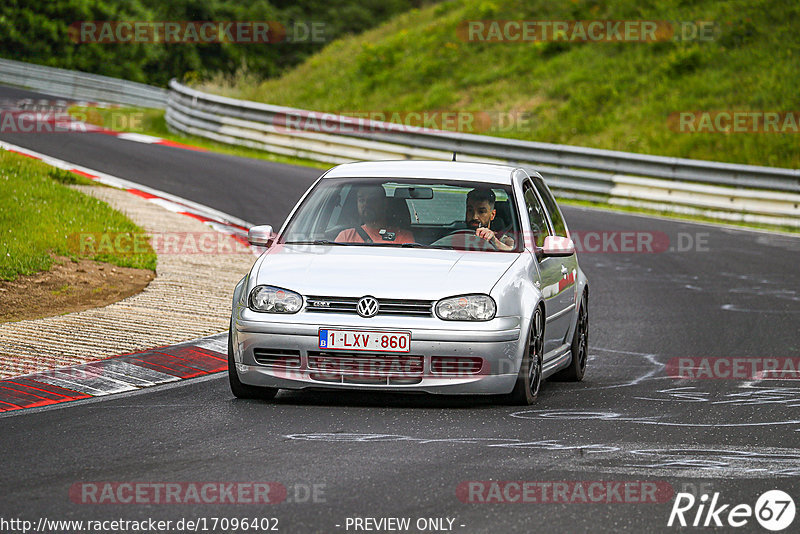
367 307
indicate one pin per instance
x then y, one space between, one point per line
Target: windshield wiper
346 243
389 244
317 242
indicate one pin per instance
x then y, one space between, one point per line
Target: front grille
405 307
419 308
456 365
355 368
280 358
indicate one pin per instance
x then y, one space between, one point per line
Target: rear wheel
529 379
244 391
580 346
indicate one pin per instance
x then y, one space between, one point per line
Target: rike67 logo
774 510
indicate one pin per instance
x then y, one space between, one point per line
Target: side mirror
260 236
556 246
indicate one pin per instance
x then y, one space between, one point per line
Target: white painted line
216 342
68 384
139 138
144 374
128 373
168 205
106 385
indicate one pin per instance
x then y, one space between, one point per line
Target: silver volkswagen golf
440 277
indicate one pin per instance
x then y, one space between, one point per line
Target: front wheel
244 391
529 379
580 346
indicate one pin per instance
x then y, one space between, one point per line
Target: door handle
563 269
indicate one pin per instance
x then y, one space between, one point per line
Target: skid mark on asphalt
786 461
650 360
510 443
113 375
735 308
749 395
677 460
662 420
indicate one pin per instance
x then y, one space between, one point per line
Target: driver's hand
486 234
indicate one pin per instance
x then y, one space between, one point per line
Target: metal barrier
80 85
726 191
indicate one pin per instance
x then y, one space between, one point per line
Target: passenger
373 211
480 214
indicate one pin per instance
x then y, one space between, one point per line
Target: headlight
275 300
466 308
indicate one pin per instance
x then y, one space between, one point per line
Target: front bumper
497 343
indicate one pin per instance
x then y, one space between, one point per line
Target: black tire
244 391
580 346
529 379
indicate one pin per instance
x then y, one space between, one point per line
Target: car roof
449 170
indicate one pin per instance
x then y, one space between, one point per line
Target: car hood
384 272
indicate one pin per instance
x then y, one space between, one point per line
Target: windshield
421 213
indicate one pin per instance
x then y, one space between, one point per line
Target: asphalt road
714 293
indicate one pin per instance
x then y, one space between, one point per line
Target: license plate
364 340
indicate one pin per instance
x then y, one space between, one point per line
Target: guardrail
81 85
728 191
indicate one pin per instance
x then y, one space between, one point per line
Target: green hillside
615 95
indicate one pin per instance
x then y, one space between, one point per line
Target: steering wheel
470 240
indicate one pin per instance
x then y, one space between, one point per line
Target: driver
372 209
480 214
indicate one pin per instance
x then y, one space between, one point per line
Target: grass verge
41 217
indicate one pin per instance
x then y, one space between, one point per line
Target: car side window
536 216
559 227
